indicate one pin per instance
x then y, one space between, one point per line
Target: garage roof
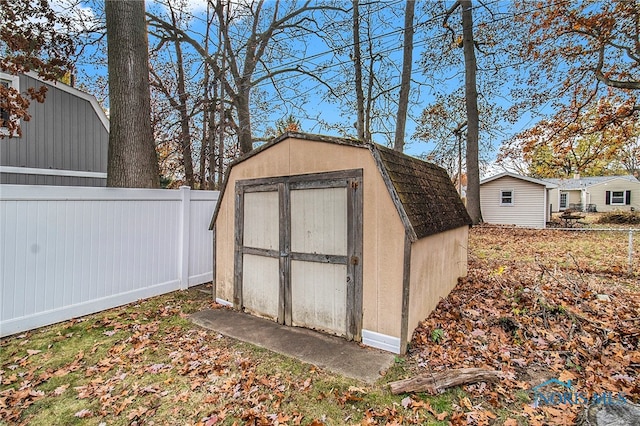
423 193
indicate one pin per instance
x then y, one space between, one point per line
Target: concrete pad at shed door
328 352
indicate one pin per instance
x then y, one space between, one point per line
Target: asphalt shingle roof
426 193
584 182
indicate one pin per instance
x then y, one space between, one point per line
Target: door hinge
355 260
354 184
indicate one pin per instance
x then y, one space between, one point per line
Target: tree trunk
369 98
245 138
206 105
185 139
222 113
357 68
473 120
405 83
221 138
211 141
132 158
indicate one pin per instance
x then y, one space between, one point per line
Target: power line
389 50
386 43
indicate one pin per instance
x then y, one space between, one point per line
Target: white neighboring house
596 193
511 199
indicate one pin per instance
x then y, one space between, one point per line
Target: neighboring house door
564 200
298 250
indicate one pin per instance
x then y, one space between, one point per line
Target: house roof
546 184
102 116
584 182
423 193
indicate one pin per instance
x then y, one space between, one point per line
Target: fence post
630 252
183 267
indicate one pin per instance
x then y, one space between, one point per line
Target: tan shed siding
383 256
596 194
383 232
436 263
528 209
225 246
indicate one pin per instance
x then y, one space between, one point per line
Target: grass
594 251
146 363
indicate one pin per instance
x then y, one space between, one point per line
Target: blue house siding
64 133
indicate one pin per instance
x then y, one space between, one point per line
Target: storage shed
336 235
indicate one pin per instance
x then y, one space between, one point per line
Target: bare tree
248 41
487 38
357 69
473 120
405 83
379 68
132 160
179 99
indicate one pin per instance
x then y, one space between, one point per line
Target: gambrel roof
425 198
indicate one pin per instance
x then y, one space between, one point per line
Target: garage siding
528 209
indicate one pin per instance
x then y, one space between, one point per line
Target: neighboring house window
506 197
618 198
563 200
7 80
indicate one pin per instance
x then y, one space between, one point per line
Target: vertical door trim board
350 179
354 259
213 280
284 212
239 243
406 287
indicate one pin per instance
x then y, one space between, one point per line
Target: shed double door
298 250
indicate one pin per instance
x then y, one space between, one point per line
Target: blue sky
388 36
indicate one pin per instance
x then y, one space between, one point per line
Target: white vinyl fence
72 251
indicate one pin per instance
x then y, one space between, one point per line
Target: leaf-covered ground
533 307
538 305
147 364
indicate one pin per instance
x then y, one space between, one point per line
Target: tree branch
447 15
